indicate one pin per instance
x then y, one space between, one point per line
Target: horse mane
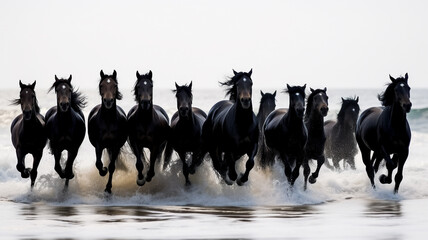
185 88
310 100
78 101
119 95
146 77
345 104
231 83
387 97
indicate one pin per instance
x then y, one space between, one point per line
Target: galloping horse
231 130
340 135
28 131
148 126
286 134
65 125
107 125
186 135
267 105
316 110
385 131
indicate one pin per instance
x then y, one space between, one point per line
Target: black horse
107 125
65 125
28 131
267 105
186 135
385 131
316 110
340 135
148 126
286 134
231 130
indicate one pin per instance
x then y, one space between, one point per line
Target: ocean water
340 205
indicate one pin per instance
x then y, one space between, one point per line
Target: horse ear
304 86
190 85
69 79
343 100
274 94
33 85
176 85
312 90
150 74
234 72
288 86
406 77
261 92
114 74
21 85
392 79
56 79
102 75
250 72
358 98
325 89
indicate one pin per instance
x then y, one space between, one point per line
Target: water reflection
383 209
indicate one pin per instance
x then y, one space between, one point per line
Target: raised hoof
141 182
384 179
26 173
241 180
312 180
103 171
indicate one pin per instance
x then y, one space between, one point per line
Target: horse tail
167 155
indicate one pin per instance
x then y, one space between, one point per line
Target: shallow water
340 205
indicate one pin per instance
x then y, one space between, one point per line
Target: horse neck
291 117
315 120
397 115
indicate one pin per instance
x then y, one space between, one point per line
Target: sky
334 44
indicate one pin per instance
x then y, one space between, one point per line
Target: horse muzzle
300 111
64 106
184 112
26 114
145 104
245 102
407 107
324 111
108 103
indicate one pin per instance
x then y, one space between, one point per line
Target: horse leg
231 171
365 153
20 166
296 171
37 157
139 164
376 159
58 168
111 168
72 153
153 156
287 167
390 165
351 162
336 164
185 167
306 172
314 176
99 164
328 165
402 157
248 166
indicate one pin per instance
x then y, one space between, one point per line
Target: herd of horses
293 135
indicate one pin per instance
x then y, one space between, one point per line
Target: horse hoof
149 178
312 180
227 180
107 191
26 173
384 179
241 180
103 172
188 184
141 182
192 170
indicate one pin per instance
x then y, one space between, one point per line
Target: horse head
318 100
184 100
63 90
349 111
267 102
109 90
402 92
297 99
143 90
27 99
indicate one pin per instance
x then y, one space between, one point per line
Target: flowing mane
387 97
78 101
231 83
311 100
